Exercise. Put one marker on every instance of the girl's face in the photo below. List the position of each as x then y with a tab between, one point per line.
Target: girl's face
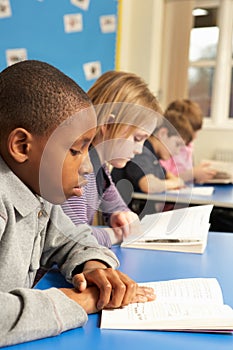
123	147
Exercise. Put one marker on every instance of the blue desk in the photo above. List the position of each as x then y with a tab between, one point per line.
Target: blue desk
145	265
222	197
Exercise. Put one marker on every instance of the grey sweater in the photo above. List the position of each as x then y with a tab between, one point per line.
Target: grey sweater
35	233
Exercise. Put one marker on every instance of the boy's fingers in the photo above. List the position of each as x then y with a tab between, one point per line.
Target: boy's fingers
105	289
79	282
123	292
115	288
144	294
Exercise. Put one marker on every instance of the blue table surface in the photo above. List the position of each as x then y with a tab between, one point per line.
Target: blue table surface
222	196
142	266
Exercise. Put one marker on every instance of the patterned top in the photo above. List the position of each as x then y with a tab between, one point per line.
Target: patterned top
100	194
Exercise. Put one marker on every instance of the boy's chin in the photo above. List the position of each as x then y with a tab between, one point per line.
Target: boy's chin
55	198
119	163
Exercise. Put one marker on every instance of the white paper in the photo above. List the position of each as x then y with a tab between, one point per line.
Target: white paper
108	24
5	8
73	23
92	70
82	4
179	304
15	55
196	191
190	223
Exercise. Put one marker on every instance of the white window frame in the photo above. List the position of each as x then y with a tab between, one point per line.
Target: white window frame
220	101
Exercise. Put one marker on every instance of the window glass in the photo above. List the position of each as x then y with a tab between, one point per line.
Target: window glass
200	87
203	43
203	59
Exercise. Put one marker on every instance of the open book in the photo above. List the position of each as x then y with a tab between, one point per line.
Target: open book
224	170
192	304
193	191
181	230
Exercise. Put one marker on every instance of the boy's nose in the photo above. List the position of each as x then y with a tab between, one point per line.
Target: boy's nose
138	148
86	166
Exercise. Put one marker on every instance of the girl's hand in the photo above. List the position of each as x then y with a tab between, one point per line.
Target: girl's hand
125	223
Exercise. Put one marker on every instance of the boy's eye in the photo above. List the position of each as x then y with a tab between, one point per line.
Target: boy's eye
75	152
139	139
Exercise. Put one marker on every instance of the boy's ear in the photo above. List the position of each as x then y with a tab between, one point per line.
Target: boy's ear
162	133
105	129
19	141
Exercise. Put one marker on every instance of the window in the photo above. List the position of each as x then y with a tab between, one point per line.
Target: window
202	56
210	78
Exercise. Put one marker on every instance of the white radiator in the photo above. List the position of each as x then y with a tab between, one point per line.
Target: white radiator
225	155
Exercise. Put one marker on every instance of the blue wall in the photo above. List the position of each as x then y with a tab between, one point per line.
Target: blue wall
35	29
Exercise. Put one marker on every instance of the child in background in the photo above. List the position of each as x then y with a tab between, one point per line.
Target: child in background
144	173
47	123
221	219
127	114
182	164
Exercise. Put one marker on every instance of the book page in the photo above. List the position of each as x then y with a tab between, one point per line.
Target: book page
180	304
224	168
156	315
224	171
196	191
185	223
201	290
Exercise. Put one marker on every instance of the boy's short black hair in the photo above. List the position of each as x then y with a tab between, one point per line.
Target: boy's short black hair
37	96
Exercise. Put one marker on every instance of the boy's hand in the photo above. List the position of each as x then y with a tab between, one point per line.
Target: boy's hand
115	288
87	299
203	172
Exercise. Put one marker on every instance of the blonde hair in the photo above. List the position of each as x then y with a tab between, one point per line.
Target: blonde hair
122	98
190	109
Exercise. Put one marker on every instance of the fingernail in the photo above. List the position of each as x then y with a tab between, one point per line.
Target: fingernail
100	305
142	299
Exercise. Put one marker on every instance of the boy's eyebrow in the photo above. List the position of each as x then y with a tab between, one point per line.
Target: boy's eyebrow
87	139
84	140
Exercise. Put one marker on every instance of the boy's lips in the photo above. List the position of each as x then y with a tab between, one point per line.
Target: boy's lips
78	190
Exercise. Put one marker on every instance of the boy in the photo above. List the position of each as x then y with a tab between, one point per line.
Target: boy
181	164
47	124
144	173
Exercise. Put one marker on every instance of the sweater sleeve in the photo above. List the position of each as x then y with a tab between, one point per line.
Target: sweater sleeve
33	314
102	236
69	246
28	314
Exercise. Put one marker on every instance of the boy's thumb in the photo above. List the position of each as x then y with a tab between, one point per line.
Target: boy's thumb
79	282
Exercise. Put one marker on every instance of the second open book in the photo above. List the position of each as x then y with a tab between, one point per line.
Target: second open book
192	304
224	174
182	230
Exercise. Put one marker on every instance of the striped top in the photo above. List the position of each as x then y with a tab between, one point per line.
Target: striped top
82	209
